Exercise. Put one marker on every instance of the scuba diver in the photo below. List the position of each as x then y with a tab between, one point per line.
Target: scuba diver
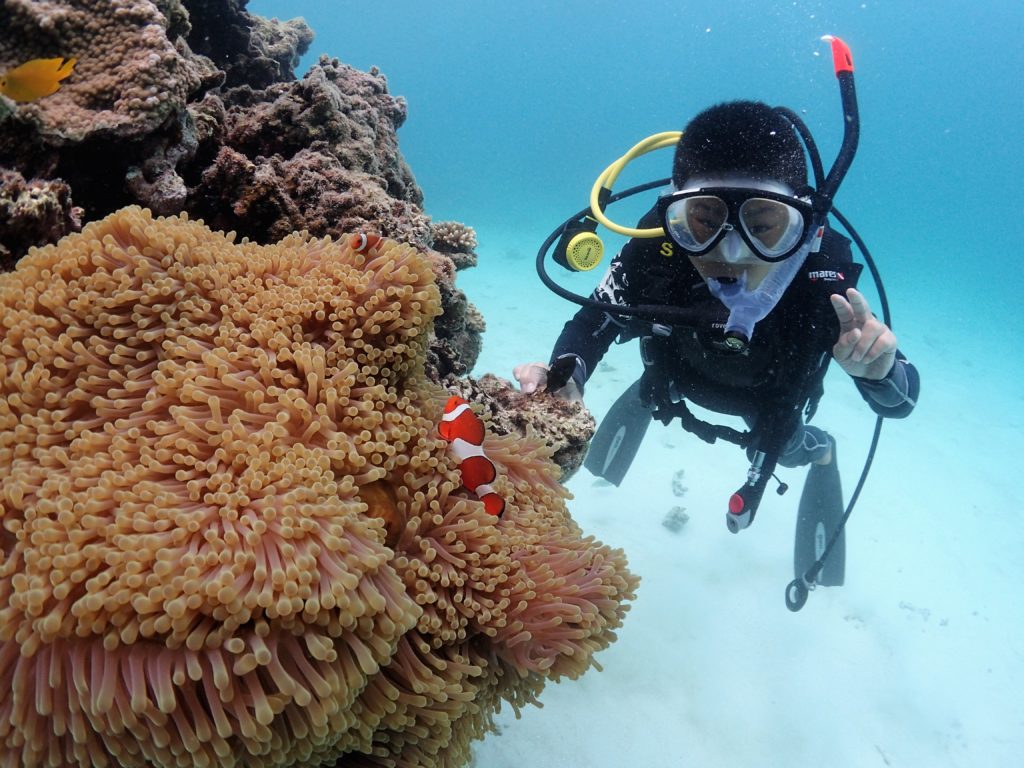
740	294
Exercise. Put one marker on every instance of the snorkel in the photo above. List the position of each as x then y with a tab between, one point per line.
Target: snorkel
744	503
580	248
746	308
842	61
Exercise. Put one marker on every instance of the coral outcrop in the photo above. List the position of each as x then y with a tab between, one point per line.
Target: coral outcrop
319	154
229	531
564	427
249	49
192	105
33	212
457	240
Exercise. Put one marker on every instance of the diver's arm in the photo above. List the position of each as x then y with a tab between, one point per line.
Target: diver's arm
591	331
587	336
866	349
582	343
584	339
895	395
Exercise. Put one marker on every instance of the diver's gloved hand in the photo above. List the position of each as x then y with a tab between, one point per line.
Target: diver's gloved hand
866	347
533	378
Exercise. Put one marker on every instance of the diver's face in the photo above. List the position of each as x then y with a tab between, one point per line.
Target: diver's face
732	257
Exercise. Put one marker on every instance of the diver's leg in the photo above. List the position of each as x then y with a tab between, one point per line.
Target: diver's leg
808	445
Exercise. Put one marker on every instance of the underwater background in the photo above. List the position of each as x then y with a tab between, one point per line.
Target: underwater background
514	109
172	554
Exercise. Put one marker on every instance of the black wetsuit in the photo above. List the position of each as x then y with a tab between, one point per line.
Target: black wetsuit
773	384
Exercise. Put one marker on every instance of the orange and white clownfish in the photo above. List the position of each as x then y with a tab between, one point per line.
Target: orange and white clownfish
464	431
363	243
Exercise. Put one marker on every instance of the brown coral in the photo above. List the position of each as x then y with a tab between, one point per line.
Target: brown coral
457	240
271	197
144	119
33	212
230	533
564	427
129	77
251	50
319	154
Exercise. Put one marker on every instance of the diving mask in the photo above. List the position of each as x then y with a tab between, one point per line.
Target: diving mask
772	224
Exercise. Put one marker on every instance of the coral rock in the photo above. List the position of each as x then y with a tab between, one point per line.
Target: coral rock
147	118
564	427
457	240
249	49
33	212
319	154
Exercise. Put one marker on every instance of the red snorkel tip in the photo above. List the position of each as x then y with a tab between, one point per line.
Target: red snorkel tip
842	59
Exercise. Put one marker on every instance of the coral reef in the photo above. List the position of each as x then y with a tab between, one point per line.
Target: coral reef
192	105
319	154
229	531
457	240
250	50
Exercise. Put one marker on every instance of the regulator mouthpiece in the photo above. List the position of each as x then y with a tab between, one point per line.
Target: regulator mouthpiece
747	308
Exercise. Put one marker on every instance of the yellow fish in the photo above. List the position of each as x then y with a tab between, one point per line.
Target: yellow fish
35	79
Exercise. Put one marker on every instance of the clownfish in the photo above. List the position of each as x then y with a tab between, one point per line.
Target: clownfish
464	430
35	79
364	243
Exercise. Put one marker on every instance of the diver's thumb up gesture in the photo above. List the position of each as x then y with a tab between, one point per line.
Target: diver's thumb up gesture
866	346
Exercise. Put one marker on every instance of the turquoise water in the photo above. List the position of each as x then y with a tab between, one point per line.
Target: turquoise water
514	108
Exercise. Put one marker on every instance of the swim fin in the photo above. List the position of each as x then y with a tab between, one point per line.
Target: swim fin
820	512
619	436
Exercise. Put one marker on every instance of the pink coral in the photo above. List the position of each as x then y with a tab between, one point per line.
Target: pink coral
457	240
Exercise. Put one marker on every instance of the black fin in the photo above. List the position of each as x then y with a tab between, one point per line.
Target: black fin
619	436
820	512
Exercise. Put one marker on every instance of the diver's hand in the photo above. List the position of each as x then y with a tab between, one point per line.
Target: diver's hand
866	347
533	378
